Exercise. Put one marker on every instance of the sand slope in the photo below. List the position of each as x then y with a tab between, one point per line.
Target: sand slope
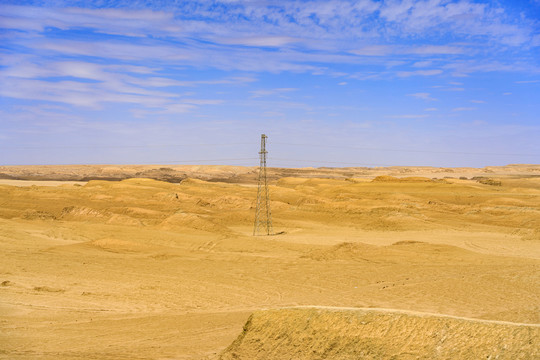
312	333
146	269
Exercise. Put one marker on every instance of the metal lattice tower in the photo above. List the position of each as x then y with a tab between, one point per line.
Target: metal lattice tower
263	217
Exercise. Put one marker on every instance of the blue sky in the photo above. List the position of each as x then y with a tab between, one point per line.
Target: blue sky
332	83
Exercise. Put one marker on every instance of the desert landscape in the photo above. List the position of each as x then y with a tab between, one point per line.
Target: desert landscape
159	262
391	211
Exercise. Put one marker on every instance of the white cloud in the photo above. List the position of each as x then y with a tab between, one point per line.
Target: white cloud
203	101
464	17
384	50
463	109
114	50
375	50
422	64
419	73
129	22
423	96
68	92
270	92
265	41
437	50
408	116
478	101
47	81
156	82
463	68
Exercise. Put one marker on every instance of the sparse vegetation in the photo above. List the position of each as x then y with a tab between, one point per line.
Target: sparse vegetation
487	181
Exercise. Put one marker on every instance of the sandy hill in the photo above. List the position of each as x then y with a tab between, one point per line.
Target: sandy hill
148	269
247	174
326	333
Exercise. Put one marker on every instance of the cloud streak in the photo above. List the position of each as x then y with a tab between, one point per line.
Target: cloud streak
423	96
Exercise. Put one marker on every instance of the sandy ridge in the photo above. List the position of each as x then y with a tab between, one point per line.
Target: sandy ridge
247	174
347	333
406	312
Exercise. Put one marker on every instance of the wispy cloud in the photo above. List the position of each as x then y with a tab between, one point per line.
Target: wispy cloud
384	50
423	96
463	68
423	64
408	116
115	21
91	85
374	50
463	17
118	50
167	33
463	109
419	73
269	92
263	41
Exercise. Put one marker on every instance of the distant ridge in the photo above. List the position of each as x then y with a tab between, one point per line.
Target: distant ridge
248	174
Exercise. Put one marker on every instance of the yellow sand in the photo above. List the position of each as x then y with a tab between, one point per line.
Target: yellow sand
147	269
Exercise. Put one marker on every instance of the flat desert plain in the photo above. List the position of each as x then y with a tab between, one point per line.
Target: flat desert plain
396	263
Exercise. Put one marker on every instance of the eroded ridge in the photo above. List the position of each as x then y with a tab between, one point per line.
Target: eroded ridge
347	333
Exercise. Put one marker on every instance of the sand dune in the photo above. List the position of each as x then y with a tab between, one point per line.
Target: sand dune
242	174
141	268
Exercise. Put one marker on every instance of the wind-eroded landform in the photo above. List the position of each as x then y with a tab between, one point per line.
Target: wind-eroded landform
382	263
